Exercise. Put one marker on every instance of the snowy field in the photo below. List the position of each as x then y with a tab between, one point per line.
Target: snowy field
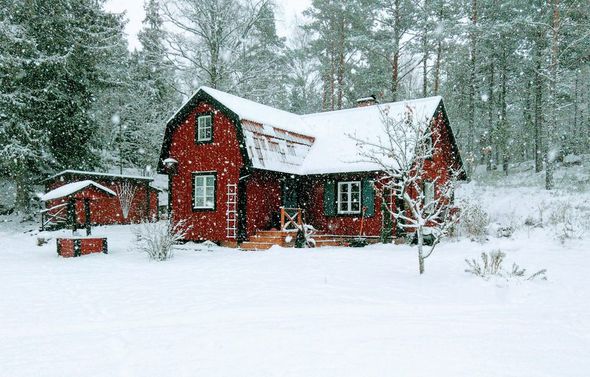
322	312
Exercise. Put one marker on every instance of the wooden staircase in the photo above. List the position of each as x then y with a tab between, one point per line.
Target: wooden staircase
265	239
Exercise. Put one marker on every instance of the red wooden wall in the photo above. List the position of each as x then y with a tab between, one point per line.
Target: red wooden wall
221	156
338	224
263	191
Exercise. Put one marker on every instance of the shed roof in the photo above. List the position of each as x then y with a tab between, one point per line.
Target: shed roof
94	174
73	188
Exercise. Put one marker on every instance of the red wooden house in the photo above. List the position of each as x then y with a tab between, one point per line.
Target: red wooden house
234	163
135	201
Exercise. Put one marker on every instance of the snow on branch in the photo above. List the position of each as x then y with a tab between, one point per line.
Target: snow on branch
406	156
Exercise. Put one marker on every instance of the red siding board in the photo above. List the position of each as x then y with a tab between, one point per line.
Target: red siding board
263	191
339	224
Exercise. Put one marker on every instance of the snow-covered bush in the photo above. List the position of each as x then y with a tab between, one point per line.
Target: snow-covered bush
473	220
568	222
157	239
491	266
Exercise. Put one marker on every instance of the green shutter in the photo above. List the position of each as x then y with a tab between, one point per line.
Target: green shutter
329	198
368	197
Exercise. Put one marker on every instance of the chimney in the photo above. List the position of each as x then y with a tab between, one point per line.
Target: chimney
367	101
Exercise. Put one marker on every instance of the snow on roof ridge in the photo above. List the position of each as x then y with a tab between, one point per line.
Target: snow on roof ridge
207	89
368	108
73	171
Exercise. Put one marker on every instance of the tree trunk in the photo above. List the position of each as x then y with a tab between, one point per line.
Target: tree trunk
490	115
332	74
538	105
396	47
425	52
528	114
420	237
554	68
340	69
504	112
437	64
472	78
575	125
437	67
22	200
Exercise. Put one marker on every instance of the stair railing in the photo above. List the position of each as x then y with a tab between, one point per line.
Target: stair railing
48	217
291	218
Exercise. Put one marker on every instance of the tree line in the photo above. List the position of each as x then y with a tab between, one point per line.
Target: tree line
514	75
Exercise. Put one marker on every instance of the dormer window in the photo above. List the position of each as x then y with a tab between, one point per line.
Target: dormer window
204	128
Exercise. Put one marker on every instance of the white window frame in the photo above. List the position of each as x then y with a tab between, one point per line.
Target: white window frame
208	191
345	207
203	127
429	196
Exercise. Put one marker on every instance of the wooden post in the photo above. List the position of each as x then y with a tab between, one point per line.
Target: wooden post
72	214
87	215
148	202
299	218
282	218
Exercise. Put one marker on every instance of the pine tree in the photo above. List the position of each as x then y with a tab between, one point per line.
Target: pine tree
65	47
338	28
151	95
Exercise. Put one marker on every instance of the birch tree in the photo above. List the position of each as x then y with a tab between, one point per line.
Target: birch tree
403	155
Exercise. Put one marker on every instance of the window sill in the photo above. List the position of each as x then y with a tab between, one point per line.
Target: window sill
203	209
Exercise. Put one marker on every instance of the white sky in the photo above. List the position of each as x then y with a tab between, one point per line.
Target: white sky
287	11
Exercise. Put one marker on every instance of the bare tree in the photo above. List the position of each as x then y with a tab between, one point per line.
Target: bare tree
125	193
403	155
211	36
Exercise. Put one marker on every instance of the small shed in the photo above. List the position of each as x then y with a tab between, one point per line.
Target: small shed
72	193
135	198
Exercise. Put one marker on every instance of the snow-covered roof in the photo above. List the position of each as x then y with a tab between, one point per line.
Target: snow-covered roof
72	188
257	112
335	150
319	143
97	174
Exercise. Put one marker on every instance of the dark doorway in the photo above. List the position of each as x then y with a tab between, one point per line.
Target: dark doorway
289	192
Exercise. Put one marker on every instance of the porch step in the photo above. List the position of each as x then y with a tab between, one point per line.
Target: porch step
265	239
254	245
328	242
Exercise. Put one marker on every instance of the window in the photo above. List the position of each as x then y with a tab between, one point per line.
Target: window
428	142
204	128
204	191
349	197
429	204
291	149
274	146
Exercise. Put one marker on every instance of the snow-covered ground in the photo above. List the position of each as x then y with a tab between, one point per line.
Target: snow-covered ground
314	312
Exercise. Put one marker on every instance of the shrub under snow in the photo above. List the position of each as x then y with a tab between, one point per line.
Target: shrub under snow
473	220
568	221
157	239
491	265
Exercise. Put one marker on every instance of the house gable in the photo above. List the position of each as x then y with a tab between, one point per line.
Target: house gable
182	117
